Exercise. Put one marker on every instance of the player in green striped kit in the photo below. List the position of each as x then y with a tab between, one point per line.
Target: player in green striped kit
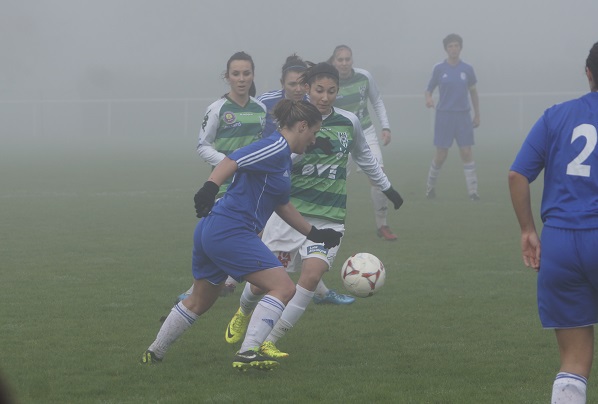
319	193
357	87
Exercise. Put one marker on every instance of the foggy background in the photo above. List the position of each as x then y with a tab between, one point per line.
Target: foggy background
150	68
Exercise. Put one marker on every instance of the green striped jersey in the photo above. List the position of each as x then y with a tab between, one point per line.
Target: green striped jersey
227	126
353	96
319	181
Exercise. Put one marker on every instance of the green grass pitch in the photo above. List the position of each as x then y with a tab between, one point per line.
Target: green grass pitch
95	244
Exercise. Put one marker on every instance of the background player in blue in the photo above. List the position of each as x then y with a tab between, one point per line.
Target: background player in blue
456	81
226	242
563	144
292	89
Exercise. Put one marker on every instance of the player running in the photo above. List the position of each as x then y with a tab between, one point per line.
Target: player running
319	193
227	242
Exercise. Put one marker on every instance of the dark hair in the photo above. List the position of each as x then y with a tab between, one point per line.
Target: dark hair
452	38
242	56
288	112
322	69
293	64
338	48
592	64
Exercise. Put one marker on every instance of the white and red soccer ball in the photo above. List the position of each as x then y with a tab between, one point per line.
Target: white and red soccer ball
363	274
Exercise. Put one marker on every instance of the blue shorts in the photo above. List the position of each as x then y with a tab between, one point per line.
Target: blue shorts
568	278
223	247
451	125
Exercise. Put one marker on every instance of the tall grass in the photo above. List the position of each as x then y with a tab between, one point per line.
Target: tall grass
95	243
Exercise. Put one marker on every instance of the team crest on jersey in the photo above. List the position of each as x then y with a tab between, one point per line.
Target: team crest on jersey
229	117
463	76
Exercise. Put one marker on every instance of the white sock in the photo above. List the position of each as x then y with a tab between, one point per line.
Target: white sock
265	315
321	289
569	388
179	319
433	174
291	314
471	178
380	202
248	300
189	291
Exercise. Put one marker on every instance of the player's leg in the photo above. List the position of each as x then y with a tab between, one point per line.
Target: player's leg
443	140
311	273
465	141
250	298
568	303
181	317
206	288
379	200
576	347
280	289
434	171
316	260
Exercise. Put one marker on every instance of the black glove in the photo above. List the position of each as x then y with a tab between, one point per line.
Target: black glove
322	143
330	237
394	197
205	198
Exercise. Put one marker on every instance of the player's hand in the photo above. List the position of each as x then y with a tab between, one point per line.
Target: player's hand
330	237
530	249
321	143
476	121
394	197
430	102
386	136
205	198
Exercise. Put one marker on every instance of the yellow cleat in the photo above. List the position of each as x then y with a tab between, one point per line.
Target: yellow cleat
252	359
268	348
237	327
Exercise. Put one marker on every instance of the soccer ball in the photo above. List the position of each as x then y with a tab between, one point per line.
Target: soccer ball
363	274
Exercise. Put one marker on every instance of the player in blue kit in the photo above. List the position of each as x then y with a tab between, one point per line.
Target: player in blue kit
227	242
292	89
456	82
563	144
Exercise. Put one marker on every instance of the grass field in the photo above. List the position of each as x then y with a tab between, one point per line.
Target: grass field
95	243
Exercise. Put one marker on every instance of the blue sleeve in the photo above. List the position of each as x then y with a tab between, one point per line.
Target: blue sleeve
433	80
531	159
472	78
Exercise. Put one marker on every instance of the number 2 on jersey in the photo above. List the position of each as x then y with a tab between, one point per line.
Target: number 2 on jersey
576	166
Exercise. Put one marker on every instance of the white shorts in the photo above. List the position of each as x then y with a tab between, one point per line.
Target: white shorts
371	138
292	247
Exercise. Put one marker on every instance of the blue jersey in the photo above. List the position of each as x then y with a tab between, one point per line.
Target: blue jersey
563	143
453	84
262	182
270	99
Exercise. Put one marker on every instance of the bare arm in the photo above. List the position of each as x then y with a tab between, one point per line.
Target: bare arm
520	197
475	102
289	214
